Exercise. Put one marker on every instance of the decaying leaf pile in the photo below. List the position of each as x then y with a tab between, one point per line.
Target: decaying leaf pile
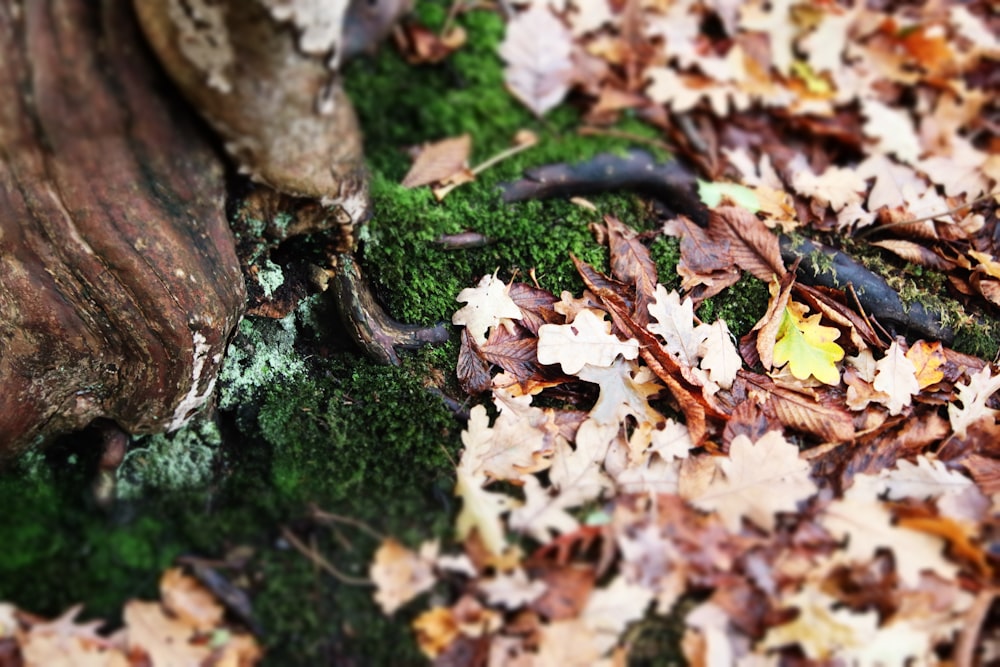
816	491
836	502
186	627
837	117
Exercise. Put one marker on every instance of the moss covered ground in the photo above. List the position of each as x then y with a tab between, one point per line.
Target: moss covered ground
303	420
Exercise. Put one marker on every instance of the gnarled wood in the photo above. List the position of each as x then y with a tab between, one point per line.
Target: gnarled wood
119	283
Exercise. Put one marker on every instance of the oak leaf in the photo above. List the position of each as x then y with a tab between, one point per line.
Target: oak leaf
824	630
537	49
401	574
867	525
544	514
927	359
756	481
481	510
675	324
512	589
624	390
807	346
821	629
896	377
166	640
956	496
487	305
587	340
719	355
973	396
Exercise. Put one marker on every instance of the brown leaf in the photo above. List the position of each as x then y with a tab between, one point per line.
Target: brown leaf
567	590
766	329
706	266
189	600
421	46
879	450
988	287
167	641
826	419
472	370
515	354
754	247
916	253
632	264
536	304
751	419
439	161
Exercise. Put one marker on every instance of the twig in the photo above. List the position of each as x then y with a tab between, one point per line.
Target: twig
933	216
321	562
965	647
328	517
502	155
864	315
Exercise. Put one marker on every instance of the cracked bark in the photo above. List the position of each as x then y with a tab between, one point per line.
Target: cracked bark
119	283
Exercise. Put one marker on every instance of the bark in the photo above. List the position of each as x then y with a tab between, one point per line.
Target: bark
119	283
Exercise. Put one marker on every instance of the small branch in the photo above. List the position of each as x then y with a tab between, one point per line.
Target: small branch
321	562
965	647
323	516
933	216
503	155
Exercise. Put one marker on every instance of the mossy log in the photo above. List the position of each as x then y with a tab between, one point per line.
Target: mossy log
119	283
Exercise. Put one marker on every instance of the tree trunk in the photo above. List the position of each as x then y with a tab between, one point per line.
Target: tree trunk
119	283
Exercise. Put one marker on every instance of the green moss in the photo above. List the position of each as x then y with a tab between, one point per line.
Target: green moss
303	422
741	306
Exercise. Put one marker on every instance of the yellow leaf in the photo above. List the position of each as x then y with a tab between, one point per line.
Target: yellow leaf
927	359
807	346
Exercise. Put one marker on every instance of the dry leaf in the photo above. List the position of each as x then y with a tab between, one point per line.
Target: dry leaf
440	162
537	50
488	305
756	481
587	340
401	574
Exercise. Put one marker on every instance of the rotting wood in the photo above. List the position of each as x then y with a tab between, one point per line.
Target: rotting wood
119	283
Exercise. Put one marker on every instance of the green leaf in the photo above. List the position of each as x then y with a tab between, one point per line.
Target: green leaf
807	346
712	194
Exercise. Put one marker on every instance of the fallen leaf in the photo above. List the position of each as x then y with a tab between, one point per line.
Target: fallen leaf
439	162
927	359
401	574
166	640
537	50
807	346
511	590
488	305
189	600
867	525
756	481
973	397
896	377
587	340
481	510
719	355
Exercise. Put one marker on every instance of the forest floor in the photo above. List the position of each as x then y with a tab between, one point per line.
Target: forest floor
314	456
